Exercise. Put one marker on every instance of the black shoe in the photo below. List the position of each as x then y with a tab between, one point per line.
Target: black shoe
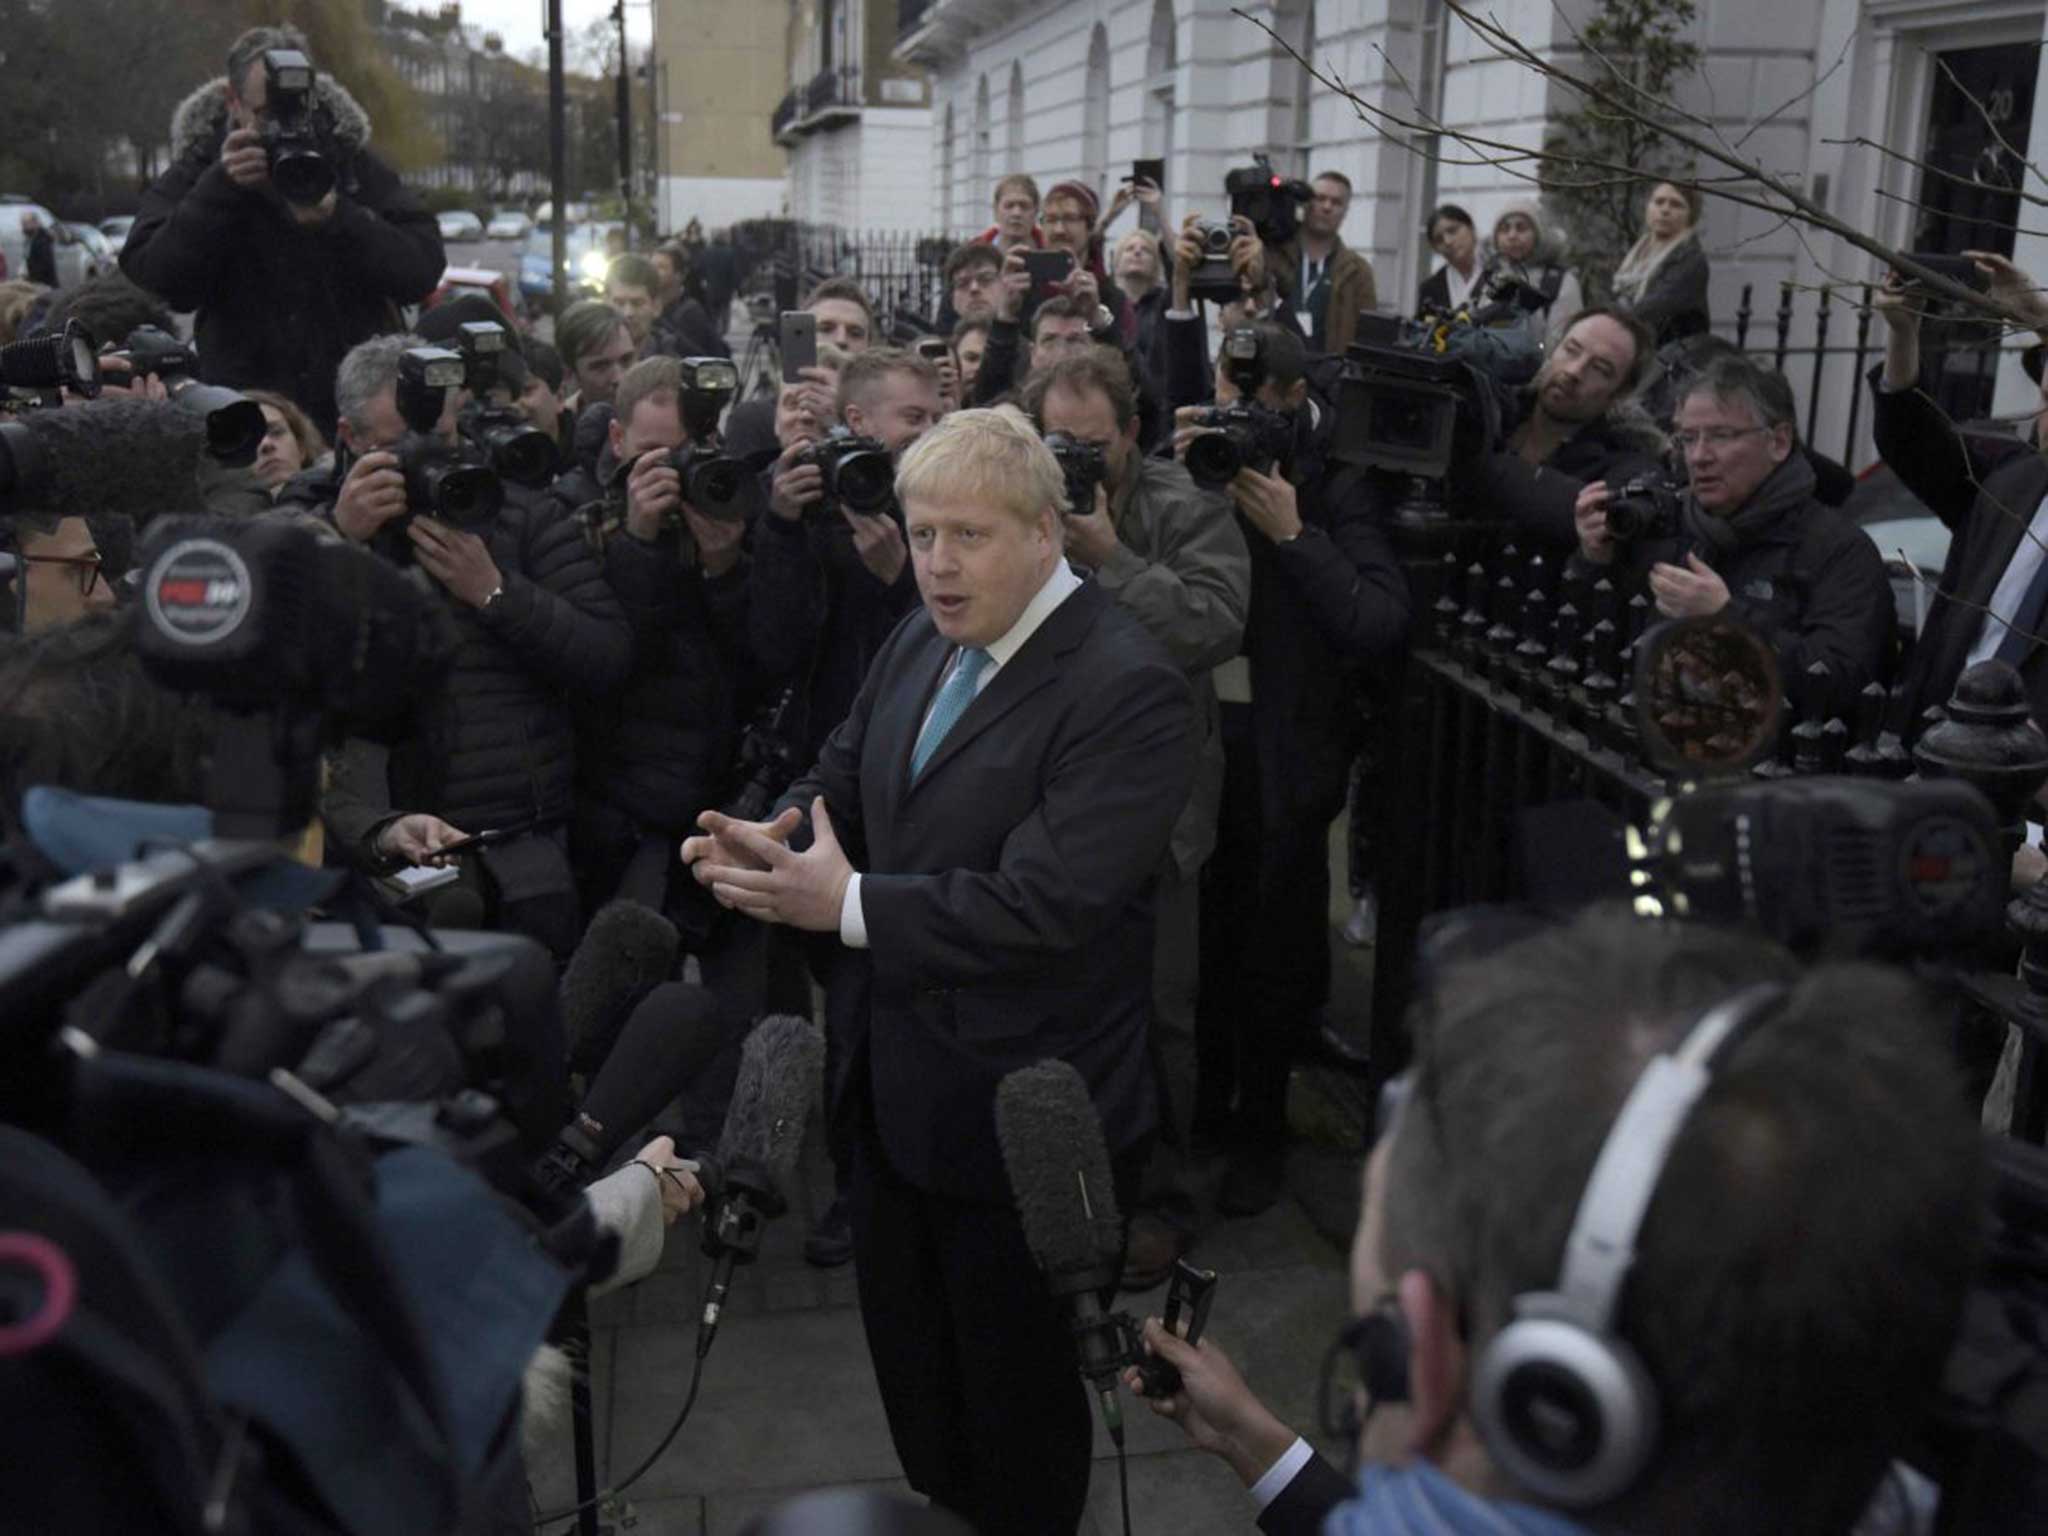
1252	1183
830	1243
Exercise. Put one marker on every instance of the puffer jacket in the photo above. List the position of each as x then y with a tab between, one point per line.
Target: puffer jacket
279	303
1540	499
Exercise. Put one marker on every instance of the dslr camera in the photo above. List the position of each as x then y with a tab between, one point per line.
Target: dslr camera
712	480
300	144
1241	436
514	448
1084	467
1643	508
234	423
1213	278
446	481
860	476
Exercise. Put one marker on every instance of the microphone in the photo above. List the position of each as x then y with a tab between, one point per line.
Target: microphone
667	1040
626	950
1058	1163
782	1066
131	459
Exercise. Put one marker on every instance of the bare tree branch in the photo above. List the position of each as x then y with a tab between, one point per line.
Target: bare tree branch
1989	122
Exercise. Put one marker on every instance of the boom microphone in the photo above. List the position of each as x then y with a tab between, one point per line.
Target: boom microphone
667	1040
133	459
1051	1138
782	1066
626	950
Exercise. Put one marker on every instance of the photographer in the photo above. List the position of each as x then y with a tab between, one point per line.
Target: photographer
283	288
1747	538
1781	1382
1171	555
1326	283
1989	601
846	320
537	628
1060	327
1183	346
1577	426
1327	600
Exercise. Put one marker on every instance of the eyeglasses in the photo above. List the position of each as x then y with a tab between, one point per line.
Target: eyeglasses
1063	220
86	568
1712	437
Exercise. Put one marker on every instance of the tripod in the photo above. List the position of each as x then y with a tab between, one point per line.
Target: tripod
761	368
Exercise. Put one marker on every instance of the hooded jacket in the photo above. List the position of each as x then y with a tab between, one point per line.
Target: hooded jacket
1801	574
1543	271
280	303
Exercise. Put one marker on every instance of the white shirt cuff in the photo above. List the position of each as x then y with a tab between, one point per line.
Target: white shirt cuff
1180	314
853	923
1281	1473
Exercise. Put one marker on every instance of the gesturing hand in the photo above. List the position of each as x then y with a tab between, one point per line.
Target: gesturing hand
721	847
774	883
1689	591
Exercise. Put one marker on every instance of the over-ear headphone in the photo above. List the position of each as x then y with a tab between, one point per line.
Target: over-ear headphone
1563	1402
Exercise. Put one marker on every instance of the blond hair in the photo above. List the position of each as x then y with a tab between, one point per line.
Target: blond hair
994	456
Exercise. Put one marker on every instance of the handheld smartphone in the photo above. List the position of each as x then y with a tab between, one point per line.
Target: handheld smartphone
799	340
934	349
486	839
1046	268
1957	269
1153	171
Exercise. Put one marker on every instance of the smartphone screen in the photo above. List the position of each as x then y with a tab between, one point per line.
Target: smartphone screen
1046	268
799	344
1153	171
933	348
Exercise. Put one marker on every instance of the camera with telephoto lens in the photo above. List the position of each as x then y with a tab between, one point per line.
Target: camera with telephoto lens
443	480
1644	507
1271	201
1213	277
515	448
234	423
299	145
859	474
1241	436
1084	467
712	479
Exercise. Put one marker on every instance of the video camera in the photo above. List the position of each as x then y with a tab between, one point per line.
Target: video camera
515	449
712	479
1271	201
300	143
234	423
1084	467
859	474
446	481
1241	436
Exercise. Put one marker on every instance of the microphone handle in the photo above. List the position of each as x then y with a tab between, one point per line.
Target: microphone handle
714	1300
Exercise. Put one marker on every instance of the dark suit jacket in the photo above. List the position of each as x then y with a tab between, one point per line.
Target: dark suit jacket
1986	491
1300	1508
1007	892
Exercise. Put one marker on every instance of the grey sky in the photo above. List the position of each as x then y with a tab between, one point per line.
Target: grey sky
520	21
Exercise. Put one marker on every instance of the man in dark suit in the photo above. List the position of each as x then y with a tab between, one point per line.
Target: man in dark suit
983	834
1992	599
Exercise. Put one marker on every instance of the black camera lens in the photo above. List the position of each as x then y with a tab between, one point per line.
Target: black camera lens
1214	458
234	423
462	494
713	483
519	453
1216	239
864	482
301	176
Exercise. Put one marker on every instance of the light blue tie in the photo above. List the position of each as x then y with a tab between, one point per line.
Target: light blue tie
948	707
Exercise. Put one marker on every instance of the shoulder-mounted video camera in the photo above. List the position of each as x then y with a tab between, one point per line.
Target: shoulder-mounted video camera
859	474
1271	201
300	143
1414	398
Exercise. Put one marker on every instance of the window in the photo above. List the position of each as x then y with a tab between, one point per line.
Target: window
1095	110
946	195
983	131
1013	144
1162	59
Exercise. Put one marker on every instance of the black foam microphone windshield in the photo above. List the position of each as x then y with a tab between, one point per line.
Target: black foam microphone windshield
669	1038
627	949
1058	1163
135	459
782	1066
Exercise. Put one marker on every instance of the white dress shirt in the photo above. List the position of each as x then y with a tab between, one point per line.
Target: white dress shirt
2012	587
1059	586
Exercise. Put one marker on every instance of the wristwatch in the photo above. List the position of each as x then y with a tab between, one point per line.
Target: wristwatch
496	592
1104	318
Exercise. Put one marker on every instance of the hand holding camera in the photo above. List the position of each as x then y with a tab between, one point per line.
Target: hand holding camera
1268	502
798	483
654	493
371	496
1014	287
1247	256
1589	516
456	558
246	159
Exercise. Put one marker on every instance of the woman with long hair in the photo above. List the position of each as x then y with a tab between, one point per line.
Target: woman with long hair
1662	280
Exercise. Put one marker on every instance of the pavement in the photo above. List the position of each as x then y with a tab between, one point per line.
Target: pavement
788	1400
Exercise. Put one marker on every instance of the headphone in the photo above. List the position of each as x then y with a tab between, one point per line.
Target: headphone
1562	1402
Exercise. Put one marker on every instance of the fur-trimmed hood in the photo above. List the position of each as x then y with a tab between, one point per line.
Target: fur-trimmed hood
1630	426
200	121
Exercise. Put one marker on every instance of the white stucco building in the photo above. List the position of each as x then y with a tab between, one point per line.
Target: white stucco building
857	121
1062	88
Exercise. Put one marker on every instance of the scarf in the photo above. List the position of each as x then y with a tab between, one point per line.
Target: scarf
1789	486
1418	1500
1639	266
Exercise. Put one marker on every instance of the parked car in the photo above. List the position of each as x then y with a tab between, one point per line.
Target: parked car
461	224
116	230
105	254
75	260
457	281
508	225
586	256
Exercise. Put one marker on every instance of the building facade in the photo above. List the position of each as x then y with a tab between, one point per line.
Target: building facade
717	70
856	119
1066	88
